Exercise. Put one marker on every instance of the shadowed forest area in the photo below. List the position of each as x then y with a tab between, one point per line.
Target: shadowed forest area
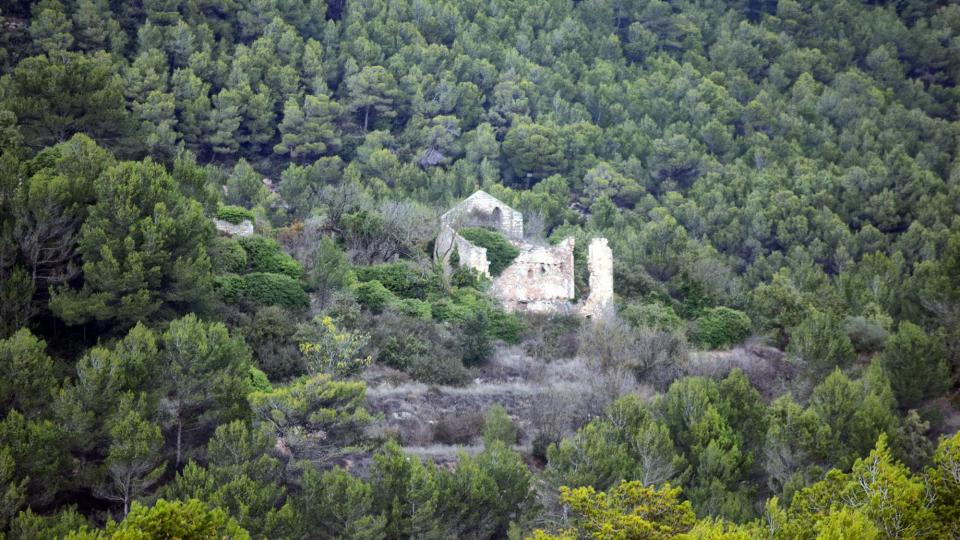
220	316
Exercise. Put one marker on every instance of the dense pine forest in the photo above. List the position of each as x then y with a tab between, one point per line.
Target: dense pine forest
779	182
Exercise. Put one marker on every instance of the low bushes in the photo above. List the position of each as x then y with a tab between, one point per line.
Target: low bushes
400	278
234	214
721	327
263	289
265	255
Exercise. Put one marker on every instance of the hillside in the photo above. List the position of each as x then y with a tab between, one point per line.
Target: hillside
221	315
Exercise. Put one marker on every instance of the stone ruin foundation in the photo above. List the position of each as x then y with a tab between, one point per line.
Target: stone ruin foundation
541	278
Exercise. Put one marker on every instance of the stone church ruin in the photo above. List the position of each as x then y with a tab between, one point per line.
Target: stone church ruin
540	279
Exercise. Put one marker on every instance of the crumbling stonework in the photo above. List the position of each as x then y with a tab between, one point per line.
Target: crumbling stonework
484	210
541	278
600	266
244	228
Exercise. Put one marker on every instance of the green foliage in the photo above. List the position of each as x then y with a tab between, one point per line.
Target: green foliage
234	214
55	96
264	255
474	340
314	404
655	315
400	279
143	247
865	335
331	270
500	252
169	519
721	327
497	427
333	351
227	256
268	290
916	365
336	505
26	374
374	296
629	510
820	344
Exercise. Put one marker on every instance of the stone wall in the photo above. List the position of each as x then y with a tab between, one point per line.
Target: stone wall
539	280
600	264
471	256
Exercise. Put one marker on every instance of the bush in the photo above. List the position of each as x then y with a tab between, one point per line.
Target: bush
441	369
270	335
721	327
274	290
866	335
227	256
549	338
499	427
234	214
656	316
500	252
916	365
458	428
412	307
820	343
399	278
374	296
265	255
229	288
474	339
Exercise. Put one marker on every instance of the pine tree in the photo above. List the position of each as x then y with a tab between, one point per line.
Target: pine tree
309	132
223	126
143	248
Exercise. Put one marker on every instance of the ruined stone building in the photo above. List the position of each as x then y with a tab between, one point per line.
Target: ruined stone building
541	278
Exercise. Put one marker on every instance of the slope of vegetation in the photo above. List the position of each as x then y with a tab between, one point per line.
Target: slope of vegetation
781	172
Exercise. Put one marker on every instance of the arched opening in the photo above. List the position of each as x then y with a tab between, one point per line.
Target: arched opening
497	217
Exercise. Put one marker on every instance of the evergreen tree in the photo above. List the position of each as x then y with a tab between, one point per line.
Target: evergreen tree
143	248
309	132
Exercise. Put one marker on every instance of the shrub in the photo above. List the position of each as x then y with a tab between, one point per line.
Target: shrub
458	428
412	307
399	351
916	364
274	290
656	316
820	342
399	278
374	296
227	256
234	214
270	335
499	427
866	335
265	255
721	327
474	339
500	252
441	369
550	338
229	288
259	381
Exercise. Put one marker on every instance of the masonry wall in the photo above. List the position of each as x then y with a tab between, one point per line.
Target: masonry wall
600	265
540	280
